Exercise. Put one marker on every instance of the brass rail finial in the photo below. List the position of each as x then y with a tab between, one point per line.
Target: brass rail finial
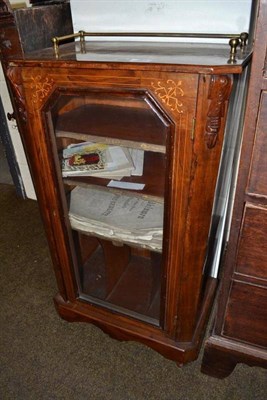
234	43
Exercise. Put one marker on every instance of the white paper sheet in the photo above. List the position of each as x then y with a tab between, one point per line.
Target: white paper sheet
126	185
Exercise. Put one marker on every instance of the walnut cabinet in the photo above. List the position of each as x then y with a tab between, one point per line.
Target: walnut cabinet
168	101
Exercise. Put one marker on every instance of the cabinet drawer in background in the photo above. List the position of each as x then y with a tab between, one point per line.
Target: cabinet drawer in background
258	175
246	314
252	251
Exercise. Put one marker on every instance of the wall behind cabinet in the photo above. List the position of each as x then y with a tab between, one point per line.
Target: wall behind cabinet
219	16
16	141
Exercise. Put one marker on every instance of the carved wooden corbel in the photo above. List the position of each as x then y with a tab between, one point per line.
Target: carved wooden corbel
219	93
14	78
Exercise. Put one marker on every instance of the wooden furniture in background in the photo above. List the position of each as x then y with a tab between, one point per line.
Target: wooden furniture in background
28	29
240	331
21	33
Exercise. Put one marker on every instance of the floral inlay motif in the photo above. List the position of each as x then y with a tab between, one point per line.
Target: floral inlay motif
169	93
41	88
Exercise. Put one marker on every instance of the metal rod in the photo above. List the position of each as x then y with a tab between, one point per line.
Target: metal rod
82	34
66	37
166	34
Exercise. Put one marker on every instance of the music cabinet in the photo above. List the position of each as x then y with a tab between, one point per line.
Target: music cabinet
165	101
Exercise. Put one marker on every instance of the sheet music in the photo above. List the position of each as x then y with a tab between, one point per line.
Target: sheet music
116	216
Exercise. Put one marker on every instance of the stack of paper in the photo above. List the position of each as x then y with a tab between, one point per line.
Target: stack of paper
101	160
129	219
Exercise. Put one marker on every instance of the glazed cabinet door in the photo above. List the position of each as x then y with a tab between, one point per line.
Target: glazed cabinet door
112	153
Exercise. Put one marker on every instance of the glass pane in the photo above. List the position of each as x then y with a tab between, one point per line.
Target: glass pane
112	155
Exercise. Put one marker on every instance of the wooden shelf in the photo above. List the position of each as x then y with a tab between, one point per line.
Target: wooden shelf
76	137
120	242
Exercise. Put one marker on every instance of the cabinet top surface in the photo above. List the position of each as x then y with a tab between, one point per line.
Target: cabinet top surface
188	55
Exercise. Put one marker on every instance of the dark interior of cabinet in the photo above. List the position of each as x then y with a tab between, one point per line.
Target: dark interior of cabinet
133	117
120	275
125	122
